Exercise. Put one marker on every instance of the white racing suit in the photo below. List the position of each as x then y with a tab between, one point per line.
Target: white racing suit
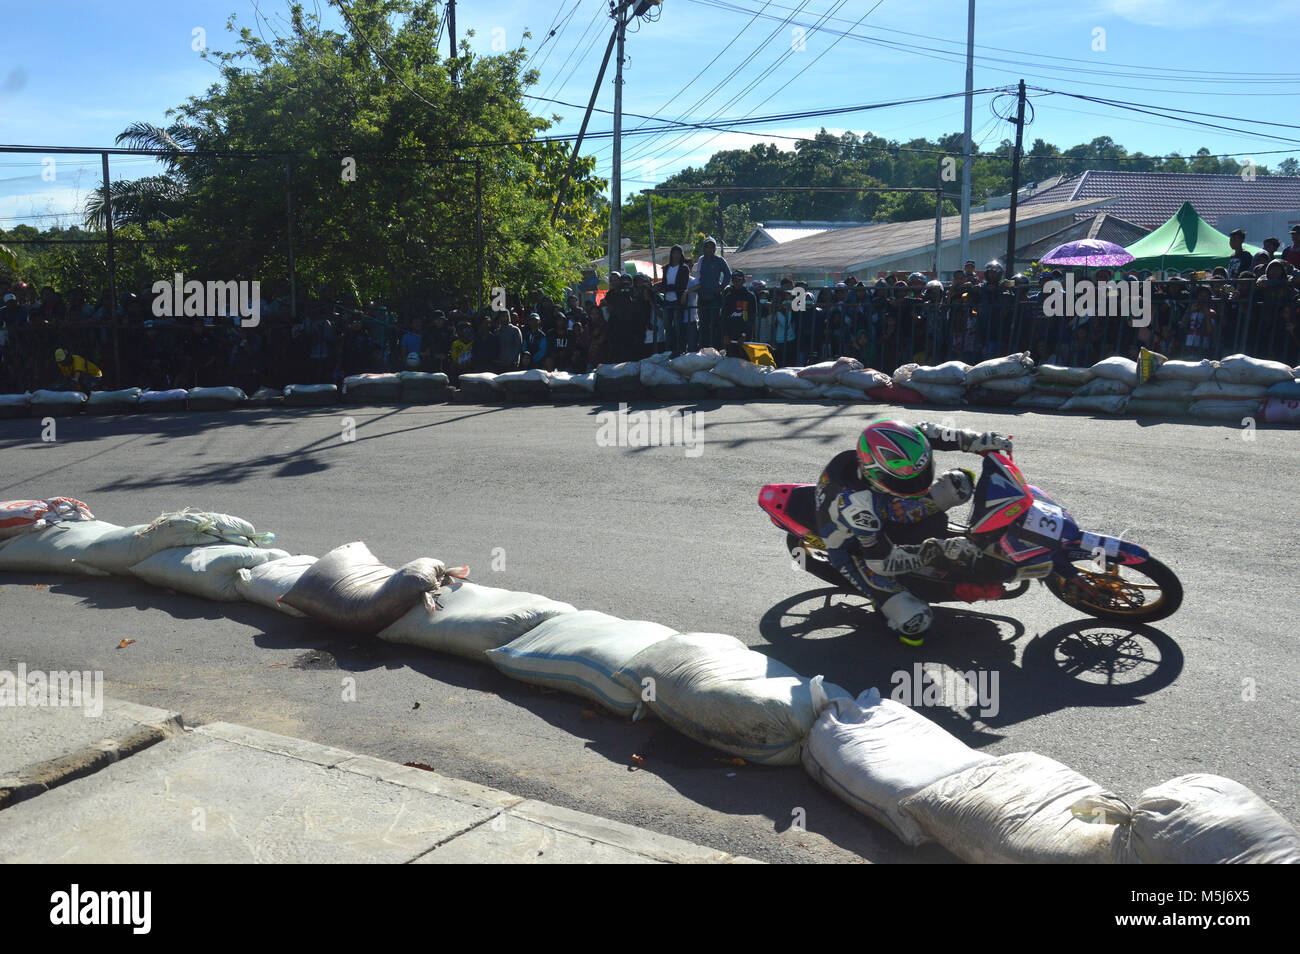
856	521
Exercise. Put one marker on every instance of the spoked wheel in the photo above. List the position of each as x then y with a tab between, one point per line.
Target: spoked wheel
1142	593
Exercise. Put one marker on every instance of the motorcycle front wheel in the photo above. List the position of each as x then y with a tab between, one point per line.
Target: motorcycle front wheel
1140	593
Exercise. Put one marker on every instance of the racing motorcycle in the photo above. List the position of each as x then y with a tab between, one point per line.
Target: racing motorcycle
1023	535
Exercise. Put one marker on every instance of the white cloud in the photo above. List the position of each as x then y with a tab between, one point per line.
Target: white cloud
1174	15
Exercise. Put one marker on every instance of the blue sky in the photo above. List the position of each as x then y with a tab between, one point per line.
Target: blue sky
81	71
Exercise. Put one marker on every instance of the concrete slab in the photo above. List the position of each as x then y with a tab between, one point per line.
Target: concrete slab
510	840
202	799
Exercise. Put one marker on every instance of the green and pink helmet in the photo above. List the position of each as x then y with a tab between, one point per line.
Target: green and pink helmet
895	458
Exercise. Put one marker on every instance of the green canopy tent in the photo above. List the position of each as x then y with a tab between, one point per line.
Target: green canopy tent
1185	242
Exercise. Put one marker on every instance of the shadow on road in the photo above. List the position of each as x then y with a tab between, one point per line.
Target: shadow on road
1084	663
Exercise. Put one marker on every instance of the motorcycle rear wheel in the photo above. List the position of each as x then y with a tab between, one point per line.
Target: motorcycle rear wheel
1114	596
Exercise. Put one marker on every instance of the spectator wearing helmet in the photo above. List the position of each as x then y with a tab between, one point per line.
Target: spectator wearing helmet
78	373
882	514
994	312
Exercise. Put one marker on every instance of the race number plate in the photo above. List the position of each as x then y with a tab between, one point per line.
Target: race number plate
1044	520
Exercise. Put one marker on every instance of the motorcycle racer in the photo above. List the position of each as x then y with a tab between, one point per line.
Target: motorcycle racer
885	491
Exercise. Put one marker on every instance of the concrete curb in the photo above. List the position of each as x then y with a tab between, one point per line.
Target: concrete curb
515	824
153	726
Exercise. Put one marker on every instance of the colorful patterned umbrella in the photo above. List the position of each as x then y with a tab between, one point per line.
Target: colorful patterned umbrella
1093	253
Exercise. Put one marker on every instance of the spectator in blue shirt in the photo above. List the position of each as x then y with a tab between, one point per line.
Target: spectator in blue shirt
715	279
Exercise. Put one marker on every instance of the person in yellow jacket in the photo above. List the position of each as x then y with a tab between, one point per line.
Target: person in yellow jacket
77	369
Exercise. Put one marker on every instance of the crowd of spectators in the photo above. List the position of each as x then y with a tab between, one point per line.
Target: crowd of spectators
1248	304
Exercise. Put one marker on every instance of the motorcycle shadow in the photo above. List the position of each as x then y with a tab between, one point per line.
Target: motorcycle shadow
970	676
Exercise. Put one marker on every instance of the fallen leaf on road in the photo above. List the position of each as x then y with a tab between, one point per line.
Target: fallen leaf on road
419	765
731	761
589	714
125	643
40	586
274	665
638	759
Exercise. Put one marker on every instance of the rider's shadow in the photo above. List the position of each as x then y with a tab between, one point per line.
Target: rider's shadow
966	677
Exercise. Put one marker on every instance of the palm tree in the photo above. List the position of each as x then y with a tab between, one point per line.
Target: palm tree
151	198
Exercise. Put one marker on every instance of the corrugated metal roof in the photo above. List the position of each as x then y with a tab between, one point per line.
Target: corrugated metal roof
1148	199
838	250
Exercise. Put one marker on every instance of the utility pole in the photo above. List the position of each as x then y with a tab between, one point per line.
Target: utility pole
451	35
967	145
622	13
938	219
1015	180
616	180
650	210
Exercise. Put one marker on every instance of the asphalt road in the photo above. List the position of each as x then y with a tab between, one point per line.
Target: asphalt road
657	533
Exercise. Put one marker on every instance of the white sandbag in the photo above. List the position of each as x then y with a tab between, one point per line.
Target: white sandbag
430	378
26	516
950	372
660	359
787	379
840	392
1098	404
1012	366
825	372
172	397
119	550
512	379
59	548
1229	410
624	376
1165	390
864	380
744	373
206	571
1100	387
16	400
348	588
1241	369
1287	390
564	381
873	753
579	652
720	692
801	394
124	396
1037	401
481	382
228	395
1056	374
45	398
1021	385
1117	368
711	380
654	374
1194	371
301	389
466	619
690	363
1196	819
266	395
1013	810
1219	388
943	394
266	583
1282	410
1156	407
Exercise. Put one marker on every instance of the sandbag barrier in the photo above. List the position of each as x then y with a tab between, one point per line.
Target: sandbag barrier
885	760
1234	391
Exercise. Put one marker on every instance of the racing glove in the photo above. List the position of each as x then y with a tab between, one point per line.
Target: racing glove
900	559
973	443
